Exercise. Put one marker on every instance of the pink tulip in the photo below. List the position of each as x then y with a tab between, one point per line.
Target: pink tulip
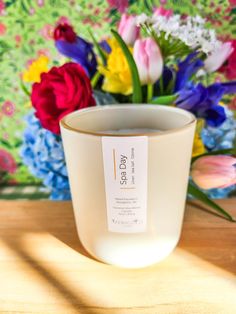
128	29
149	61
163	12
217	171
215	60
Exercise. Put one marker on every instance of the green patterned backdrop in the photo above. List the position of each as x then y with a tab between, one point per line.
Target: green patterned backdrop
26	33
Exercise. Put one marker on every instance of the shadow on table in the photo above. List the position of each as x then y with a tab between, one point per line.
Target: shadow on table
60	222
210	236
74	300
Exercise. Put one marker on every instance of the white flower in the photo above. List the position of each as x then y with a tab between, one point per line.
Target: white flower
191	31
143	19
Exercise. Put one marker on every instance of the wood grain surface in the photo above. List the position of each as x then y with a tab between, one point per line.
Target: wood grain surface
44	268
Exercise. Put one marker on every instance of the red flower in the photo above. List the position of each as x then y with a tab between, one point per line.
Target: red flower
64	32
229	67
61	90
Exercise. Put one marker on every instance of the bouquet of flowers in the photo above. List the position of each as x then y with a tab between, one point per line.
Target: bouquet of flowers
163	59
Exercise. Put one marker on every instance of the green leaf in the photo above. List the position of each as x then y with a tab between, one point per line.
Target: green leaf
101	53
228	151
24	88
95	79
164	100
137	90
195	192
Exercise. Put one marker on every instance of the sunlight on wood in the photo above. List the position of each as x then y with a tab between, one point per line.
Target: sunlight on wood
44	268
131	287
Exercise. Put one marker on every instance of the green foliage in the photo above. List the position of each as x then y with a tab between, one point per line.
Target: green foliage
173	47
101	53
164	100
137	90
198	194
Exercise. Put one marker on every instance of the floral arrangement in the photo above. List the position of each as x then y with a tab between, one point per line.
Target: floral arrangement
163	59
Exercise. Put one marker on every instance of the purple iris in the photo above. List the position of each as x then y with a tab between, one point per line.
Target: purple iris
203	102
75	47
105	46
186	69
175	79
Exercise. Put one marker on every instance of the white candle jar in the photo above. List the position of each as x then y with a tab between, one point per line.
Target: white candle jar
128	190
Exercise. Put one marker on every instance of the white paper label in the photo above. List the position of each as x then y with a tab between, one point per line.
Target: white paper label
125	170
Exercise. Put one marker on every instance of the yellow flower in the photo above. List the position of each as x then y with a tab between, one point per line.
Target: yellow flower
117	76
38	66
198	146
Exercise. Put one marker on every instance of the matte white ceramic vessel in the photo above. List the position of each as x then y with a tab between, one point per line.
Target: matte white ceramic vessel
169	155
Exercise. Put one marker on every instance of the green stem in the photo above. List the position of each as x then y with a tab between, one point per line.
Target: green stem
161	85
24	88
207	79
95	79
149	92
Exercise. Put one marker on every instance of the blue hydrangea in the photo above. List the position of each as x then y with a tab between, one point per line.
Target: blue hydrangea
220	138
42	153
220	193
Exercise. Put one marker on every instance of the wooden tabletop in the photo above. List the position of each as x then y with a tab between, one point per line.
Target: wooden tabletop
44	268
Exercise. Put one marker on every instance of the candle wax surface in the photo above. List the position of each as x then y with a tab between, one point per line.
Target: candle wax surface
130	131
